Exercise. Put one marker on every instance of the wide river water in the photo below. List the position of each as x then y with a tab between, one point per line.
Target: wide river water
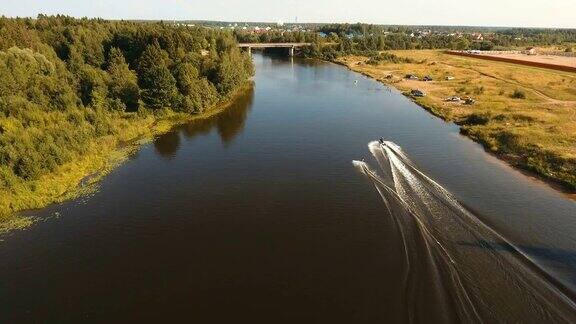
258	215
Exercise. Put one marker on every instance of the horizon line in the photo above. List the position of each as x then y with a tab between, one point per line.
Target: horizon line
293	23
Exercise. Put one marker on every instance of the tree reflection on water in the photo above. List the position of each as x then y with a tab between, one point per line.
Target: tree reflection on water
229	123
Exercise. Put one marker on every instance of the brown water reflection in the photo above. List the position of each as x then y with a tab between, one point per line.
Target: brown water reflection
229	123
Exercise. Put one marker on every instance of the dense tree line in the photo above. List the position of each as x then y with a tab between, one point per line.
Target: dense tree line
378	37
66	82
276	36
367	39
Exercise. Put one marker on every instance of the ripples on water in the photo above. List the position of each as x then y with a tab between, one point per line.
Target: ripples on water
465	269
242	218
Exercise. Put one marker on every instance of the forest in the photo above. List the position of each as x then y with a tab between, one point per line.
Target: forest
69	83
367	39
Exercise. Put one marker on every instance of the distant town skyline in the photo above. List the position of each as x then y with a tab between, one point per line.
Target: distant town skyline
500	13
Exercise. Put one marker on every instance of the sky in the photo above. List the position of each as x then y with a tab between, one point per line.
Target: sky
518	13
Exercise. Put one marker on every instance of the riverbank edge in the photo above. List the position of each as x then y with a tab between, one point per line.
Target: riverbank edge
78	178
556	183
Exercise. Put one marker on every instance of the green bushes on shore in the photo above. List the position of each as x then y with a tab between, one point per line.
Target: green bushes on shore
70	83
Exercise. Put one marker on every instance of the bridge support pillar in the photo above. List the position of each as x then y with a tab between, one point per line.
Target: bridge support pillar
291	51
249	49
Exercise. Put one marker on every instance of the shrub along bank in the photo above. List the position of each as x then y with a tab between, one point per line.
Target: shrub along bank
73	89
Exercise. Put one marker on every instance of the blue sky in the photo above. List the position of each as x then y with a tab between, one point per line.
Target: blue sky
525	13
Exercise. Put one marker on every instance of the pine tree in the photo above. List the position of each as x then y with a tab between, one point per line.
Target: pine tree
157	83
123	81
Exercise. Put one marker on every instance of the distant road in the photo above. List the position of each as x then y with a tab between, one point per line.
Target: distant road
566	64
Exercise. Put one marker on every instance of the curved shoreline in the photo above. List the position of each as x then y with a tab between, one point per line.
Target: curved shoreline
77	178
555	183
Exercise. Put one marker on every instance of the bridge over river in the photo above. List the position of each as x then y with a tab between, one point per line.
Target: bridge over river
290	46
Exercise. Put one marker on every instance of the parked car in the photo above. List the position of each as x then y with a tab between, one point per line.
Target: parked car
449	78
411	77
453	99
418	93
428	78
469	101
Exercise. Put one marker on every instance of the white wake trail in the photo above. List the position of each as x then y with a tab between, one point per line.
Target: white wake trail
470	271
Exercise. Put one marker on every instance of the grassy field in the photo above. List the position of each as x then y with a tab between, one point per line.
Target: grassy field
534	129
546	59
76	178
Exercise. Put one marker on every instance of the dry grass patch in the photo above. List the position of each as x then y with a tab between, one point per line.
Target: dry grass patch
524	114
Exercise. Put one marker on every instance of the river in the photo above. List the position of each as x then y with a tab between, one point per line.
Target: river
258	215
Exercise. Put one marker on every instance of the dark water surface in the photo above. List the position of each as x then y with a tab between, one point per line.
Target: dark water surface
258	216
